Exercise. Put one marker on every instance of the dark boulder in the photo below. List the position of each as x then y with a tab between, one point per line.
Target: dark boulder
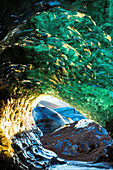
83	141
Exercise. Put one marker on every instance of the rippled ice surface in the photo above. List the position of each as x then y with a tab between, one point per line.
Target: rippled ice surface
79	165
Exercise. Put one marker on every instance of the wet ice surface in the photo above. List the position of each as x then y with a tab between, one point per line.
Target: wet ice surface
79	165
29	150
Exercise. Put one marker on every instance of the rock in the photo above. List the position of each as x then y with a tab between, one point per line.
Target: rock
47	119
83	141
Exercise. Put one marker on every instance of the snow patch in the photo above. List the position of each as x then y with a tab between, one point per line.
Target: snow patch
83	123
